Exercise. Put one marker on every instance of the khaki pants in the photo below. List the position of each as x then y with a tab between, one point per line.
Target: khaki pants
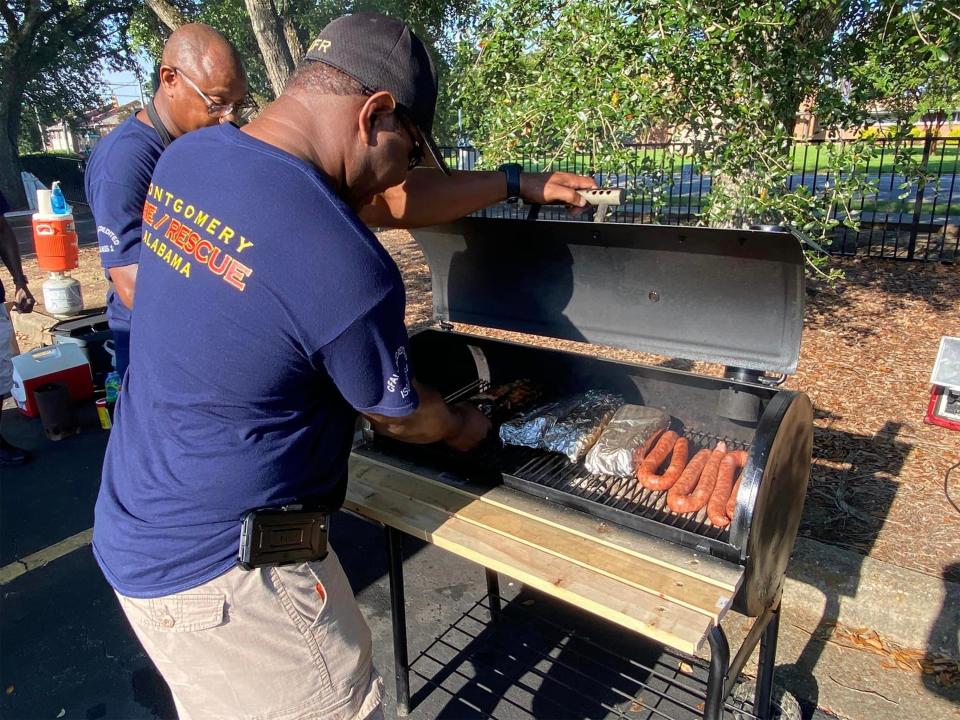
280	643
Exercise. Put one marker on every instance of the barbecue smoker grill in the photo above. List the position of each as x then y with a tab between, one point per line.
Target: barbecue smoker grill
726	296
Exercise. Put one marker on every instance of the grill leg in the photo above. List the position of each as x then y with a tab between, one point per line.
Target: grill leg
719	665
493	593
762	701
401	663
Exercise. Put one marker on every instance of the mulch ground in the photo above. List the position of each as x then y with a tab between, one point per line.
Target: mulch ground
880	475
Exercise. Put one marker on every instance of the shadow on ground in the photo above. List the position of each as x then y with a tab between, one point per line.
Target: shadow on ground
848	500
833	306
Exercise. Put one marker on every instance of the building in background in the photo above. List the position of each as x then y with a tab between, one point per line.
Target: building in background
80	137
944	123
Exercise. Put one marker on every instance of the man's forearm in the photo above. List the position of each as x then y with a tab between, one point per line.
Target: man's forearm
432	421
124	279
428	198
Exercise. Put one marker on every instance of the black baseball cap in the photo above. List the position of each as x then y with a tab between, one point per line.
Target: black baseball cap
381	53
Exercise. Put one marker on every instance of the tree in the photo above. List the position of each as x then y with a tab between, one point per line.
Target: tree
50	57
570	77
271	35
167	13
274	45
908	71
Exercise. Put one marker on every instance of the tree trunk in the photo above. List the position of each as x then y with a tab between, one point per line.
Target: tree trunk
287	9
10	183
293	42
167	13
269	31
11	105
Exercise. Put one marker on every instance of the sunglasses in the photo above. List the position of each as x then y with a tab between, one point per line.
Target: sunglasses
416	149
215	109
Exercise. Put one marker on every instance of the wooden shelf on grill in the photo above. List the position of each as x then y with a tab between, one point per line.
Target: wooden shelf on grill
663	591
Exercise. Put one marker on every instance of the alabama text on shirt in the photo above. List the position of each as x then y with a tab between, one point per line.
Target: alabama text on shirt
186	237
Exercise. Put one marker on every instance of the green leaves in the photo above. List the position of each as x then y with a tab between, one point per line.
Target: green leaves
585	78
437	22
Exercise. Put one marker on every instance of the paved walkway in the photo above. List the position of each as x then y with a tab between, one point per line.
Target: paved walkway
68	652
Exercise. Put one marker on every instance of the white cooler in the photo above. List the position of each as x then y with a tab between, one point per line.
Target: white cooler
64	364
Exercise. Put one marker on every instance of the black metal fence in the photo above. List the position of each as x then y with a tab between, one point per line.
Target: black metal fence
913	217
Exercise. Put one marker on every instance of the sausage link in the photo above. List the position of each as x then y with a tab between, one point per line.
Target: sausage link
708	479
678	461
655	458
681	451
732	500
687	481
731	504
717	506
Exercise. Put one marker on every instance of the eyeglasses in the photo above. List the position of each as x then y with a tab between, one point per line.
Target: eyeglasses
214	109
416	149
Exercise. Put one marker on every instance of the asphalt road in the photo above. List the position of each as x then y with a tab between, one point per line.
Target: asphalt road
67	651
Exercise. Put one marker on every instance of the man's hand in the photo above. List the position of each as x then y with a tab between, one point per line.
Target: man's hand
474	426
558	187
461	426
24	299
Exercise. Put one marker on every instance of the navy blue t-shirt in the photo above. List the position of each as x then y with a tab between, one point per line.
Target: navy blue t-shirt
116	180
267	313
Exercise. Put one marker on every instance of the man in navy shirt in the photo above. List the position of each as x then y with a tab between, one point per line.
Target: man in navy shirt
201	83
268	316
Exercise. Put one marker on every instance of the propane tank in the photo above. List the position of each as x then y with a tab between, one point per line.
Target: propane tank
61	295
55	240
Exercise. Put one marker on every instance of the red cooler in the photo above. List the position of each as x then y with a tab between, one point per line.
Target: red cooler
64	364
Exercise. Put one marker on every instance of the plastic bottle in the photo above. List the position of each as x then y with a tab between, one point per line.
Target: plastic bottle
58	203
112	385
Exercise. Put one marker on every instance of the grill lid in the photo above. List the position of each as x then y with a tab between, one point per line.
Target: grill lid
727	296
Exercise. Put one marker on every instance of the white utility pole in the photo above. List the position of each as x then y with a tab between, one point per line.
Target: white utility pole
43	135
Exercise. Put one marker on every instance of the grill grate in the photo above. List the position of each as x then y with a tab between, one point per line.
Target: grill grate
477	386
554	471
554	477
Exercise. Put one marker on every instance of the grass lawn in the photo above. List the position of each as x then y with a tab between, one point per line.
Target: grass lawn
807	157
944	160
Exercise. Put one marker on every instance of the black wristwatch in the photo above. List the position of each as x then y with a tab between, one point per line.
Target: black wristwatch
512	171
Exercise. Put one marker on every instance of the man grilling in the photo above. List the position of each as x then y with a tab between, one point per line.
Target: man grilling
268	316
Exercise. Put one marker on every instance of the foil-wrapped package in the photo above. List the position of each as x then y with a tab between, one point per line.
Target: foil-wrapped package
575	432
627	438
528	429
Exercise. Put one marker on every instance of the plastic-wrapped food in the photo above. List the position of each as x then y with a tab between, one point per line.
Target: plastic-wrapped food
576	431
528	429
626	439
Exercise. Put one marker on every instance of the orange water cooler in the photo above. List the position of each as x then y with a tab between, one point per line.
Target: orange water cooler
55	240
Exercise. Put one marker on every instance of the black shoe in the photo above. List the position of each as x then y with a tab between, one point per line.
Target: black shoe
11	454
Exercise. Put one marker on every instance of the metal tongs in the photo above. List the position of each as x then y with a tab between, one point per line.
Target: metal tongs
601	198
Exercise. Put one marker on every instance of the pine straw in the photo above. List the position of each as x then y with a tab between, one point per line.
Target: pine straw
877	484
944	668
